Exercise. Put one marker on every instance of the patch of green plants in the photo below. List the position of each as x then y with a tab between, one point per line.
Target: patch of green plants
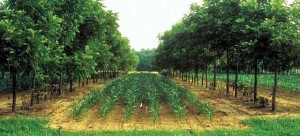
140	90
27	126
86	102
287	82
263	127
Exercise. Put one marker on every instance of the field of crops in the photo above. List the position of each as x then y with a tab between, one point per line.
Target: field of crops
287	82
136	90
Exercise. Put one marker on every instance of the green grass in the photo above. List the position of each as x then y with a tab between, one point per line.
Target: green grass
26	126
264	127
287	82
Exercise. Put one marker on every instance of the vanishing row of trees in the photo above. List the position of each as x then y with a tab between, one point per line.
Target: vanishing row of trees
145	60
47	42
240	34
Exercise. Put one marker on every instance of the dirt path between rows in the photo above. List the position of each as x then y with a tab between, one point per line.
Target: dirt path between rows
228	112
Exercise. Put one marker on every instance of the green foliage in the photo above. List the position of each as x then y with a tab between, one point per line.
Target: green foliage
86	102
263	127
26	126
203	107
145	60
287	82
71	38
236	34
174	99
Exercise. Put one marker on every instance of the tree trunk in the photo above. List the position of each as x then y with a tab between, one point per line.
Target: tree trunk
227	71
79	82
82	83
274	90
206	72
236	80
197	76
255	81
94	78
14	87
181	76
192	76
189	76
60	85
33	80
70	81
215	76
71	84
202	78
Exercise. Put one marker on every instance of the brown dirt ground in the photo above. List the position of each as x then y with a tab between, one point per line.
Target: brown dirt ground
228	112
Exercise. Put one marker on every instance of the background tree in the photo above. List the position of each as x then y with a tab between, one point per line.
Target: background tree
145	60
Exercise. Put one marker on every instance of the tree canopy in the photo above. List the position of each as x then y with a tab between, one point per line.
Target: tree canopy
234	35
55	41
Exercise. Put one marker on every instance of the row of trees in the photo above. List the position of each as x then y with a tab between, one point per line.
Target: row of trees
59	40
145	60
237	34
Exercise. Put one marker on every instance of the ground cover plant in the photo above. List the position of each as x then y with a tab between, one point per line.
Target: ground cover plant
137	90
287	82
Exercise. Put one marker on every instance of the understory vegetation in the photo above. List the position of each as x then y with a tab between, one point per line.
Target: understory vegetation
287	82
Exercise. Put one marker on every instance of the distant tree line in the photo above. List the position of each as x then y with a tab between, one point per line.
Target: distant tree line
145	60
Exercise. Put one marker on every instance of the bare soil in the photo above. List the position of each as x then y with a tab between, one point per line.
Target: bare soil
228	112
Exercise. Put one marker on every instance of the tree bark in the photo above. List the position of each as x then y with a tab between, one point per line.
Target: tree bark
60	85
206	72
255	81
215	76
70	80
236	80
202	78
189	76
227	71
186	76
71	84
33	81
14	87
193	76
274	90
197	76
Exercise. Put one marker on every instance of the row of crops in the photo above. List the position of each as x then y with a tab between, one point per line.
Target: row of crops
288	82
136	89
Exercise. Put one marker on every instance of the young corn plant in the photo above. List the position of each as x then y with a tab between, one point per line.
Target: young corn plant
201	107
131	101
174	100
140	88
85	103
153	98
110	102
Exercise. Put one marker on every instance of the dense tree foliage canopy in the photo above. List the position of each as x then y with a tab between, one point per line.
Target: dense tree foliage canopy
145	60
234	35
47	42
